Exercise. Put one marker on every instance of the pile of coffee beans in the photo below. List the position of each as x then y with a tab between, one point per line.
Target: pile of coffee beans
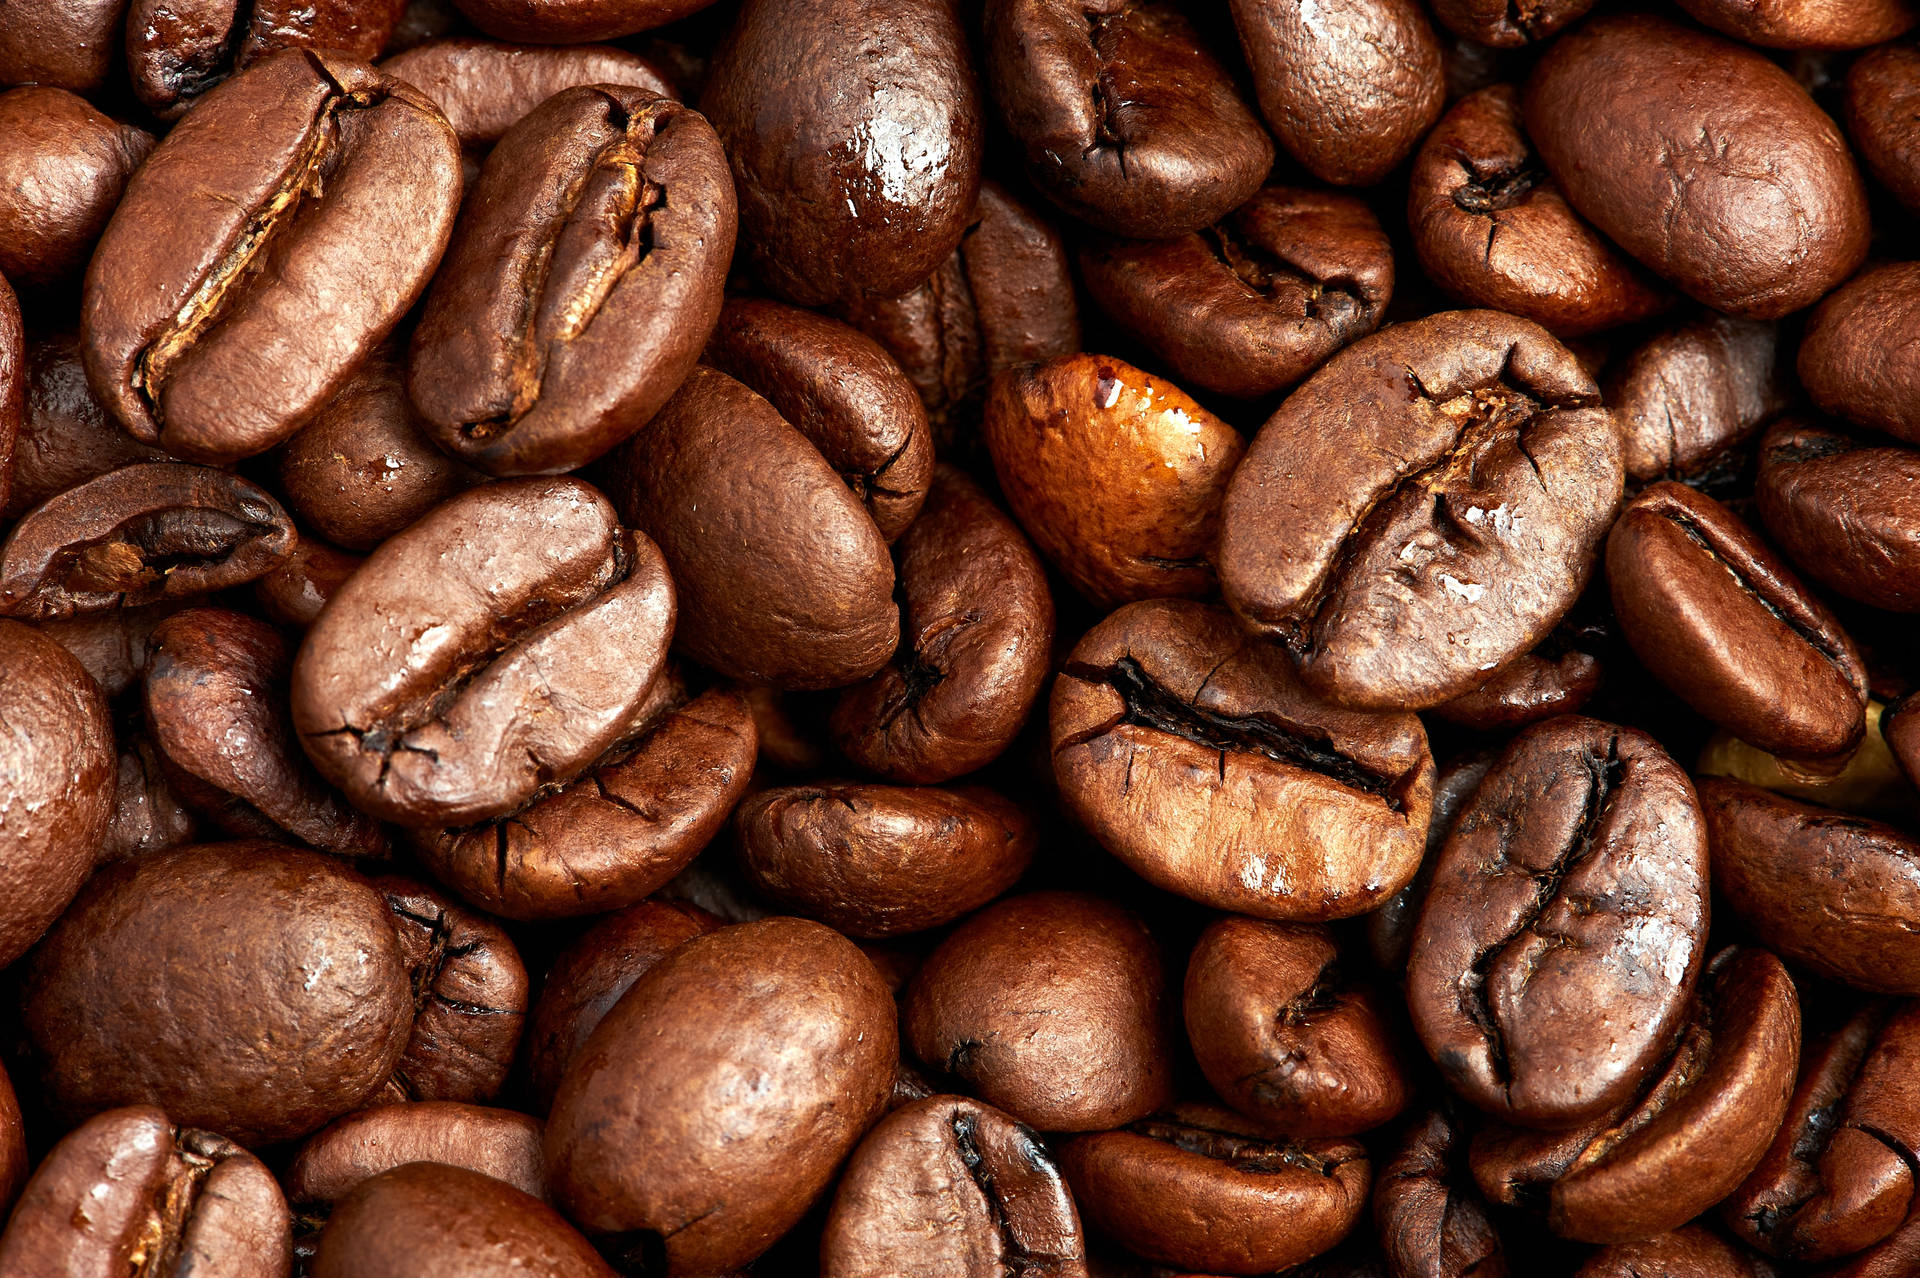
959	638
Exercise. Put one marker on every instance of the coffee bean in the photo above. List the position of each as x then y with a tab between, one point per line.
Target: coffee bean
1693	1252
1854	357
1880	90
1806	24
571	21
63	166
1686	397
13	1145
65	43
499	1143
1844	508
295	591
66	436
178	50
1555	678
1502	25
1431	1222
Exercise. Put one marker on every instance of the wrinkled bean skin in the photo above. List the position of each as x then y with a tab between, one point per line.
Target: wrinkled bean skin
485	87
494	1142
1693	1252
65	43
651	1130
1431	1223
1584	843
1495	230
66	436
1504	24
1116	474
1192	752
1283	1037
1806	24
177	50
1833	891
1257	301
1686	396
976	638
473	659
1399	577
1348	88
580	284
265	923
572	21
1100	1054
1125	118
1196	1188
58	760
1718	618
428	1218
947	1187
200	349
1845	509
857	160
1882	92
128	1192
63	166
1703	160
1856	358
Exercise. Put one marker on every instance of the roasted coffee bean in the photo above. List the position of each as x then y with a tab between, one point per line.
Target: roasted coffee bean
429	1218
1718	618
147	815
1845	508
13	386
1431	1223
621	830
1868	782
1827	889
580	285
781	574
1806	24
178	50
66	435
1882	91
654	1139
1557	952
13	1145
128	1192
1693	1252
591	974
1199	1188
215	696
1684	397
267	245
503	643
57	761
1193	753
1390	927
1286	1036
494	1142
879	860
857	159
1553	679
1399	576
840	390
1258	300
1350	88
1123	115
1492	227
1855	359
362	469
66	43
976	638
1902	727
1117	475
1839	1176
1505	24
571	21
295	591
1688	1141
63	166
949	1188
1050	1006
299	1013
1656	133
114	645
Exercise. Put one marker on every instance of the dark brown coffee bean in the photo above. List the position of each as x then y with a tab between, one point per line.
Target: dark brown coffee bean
1827	889
1806	24
1554	678
591	974
1117	475
1901	724
1693	1252
857	156
1845	508
1505	24
114	645
494	1142
13	386
215	697
1124	117
129	1193
1257	301
503	643
295	591
1193	753
63	166
178	50
1050	1006
949	1188
147	815
264	249
1431	1223
1840	1176
429	1218
1401	575
1665	166
1688	1141
976	638
66	436
1198	1188
782	576
1557	953
580	284
1686	396
881	860
571	21
620	831
1882	91
362	469
1856	359
57	759
1493	228
66	43
299	1012
1285	1036
13	1145
1348	88
1390	928
655	1139
1719	619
